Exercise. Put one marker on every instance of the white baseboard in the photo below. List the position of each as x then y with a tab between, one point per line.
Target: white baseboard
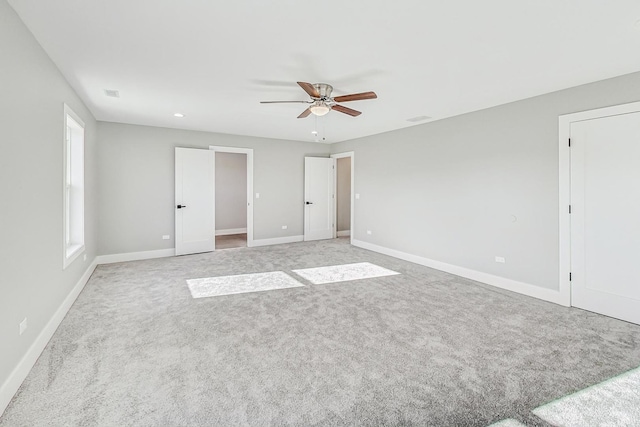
230	231
135	256
344	233
20	372
277	241
490	279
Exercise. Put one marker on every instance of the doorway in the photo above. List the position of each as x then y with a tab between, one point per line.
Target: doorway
233	197
344	195
602	237
231	200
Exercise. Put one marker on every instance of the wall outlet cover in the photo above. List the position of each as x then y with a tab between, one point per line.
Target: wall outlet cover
166	237
369	232
284	227
500	259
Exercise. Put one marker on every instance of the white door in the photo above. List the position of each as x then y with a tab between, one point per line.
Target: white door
195	201
605	216
318	196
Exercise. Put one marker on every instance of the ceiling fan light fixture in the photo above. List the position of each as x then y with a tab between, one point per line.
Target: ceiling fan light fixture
319	108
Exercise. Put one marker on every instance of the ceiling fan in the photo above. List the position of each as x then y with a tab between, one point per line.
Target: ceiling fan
322	102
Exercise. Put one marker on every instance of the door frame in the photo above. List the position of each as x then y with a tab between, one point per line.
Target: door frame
337	156
249	153
564	178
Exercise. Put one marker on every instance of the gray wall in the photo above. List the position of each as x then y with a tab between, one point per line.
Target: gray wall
231	191
33	284
137	184
344	193
450	190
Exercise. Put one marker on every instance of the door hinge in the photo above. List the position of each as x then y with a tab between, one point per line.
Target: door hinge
569	208
569	142
569	276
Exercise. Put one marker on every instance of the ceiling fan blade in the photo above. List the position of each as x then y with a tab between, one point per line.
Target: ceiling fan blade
356	97
284	102
308	87
346	110
304	114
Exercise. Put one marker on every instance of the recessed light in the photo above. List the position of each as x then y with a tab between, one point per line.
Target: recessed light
178	115
112	93
418	119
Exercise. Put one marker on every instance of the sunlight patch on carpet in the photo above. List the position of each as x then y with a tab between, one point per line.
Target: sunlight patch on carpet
614	402
509	422
343	273
240	284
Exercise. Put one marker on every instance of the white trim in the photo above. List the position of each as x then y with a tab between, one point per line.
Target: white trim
71	252
564	182
278	240
497	281
74	116
135	256
249	153
230	231
336	156
20	372
344	233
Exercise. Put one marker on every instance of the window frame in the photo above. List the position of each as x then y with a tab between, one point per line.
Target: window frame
72	249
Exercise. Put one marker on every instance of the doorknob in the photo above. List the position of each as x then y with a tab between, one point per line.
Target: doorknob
309	203
181	206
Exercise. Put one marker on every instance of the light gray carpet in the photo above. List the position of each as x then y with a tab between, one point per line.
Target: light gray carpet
613	403
420	348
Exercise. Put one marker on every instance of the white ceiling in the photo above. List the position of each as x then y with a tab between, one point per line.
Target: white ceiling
215	60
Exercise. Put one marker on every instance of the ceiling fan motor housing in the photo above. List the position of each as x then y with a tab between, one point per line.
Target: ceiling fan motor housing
324	90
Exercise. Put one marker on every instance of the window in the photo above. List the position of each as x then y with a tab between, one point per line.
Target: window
73	186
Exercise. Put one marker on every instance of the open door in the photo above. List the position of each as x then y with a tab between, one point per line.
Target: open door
195	201
319	197
605	207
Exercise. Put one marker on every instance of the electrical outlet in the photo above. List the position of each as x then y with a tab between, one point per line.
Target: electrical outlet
257	195
23	326
284	227
357	195
166	237
84	257
500	259
369	232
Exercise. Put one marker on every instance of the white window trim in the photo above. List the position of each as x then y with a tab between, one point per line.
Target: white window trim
69	252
